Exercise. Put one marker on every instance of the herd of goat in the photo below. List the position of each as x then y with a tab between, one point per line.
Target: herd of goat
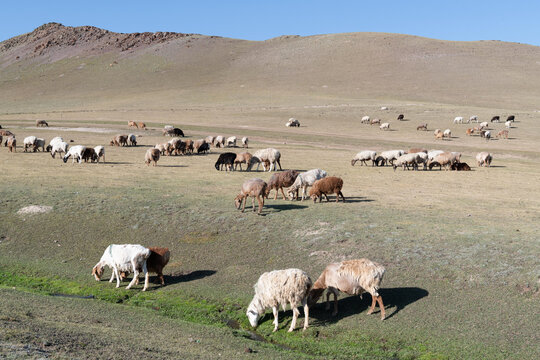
278	287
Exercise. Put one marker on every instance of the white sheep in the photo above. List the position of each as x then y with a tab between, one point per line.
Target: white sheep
123	258
487	135
391	155
245	142
100	152
405	160
28	142
280	287
365	120
363	156
385	126
484	159
58	147
484	125
447	133
293	123
303	180
508	124
458	120
270	154
75	151
433	153
231	141
132	139
473	118
219	141
422	158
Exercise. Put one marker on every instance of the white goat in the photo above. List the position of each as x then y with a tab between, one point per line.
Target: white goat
304	180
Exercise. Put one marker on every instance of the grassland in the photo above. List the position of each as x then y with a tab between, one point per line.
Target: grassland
461	249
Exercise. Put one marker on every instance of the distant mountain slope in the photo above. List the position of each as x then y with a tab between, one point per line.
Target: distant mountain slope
59	67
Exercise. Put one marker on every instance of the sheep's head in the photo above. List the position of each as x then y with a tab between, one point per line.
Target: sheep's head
111	143
314	197
48	148
291	194
238	200
97	271
253	315
65	158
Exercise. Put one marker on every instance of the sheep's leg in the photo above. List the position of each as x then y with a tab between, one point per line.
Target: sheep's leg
343	197
161	279
135	274
112	276
275	310
253	203
282	193
296	312
326	196
373	300
304	188
381	306
244	201
306	316
279	163
146	277
335	292
117	277
328	293
261	202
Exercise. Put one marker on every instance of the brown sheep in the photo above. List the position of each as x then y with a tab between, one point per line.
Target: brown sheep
89	154
158	259
242	158
256	188
327	185
132	124
503	134
119	140
142	125
151	155
469	131
375	121
11	143
188	148
281	180
164	147
439	135
41	123
445	159
421	127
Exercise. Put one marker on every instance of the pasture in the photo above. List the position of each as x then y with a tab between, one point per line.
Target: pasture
460	248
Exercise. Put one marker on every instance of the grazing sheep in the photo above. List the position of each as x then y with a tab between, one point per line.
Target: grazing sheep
473	118
89	154
151	155
303	180
483	133
188	147
456	156
41	123
459	166
364	156
176	145
496	118
256	188
458	120
11	143
125	257
484	125
375	121
404	161
132	140
391	155
437	131
439	135
270	154
242	158
142	125
204	148
173	132
245	142
445	159
365	120
503	134
226	159
487	135
401	117
281	180
352	277
422	127
197	144
280	287
100	152
58	148
156	262
484	159
28	142
508	124
6	133
219	141
325	186
292	123
210	139
132	124
511	118
162	148
422	158
447	133
231	141
385	126
39	143
433	153
119	140
469	131
75	151
379	161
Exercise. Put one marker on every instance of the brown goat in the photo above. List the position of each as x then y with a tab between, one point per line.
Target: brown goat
327	185
439	135
256	188
422	127
132	124
151	155
158	259
281	180
242	158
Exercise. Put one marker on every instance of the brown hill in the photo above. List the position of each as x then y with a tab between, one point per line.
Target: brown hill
61	68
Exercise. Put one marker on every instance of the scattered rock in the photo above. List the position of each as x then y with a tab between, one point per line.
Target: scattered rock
34	209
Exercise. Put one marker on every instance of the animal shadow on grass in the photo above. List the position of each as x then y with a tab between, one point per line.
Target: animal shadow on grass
397	298
497	166
114	163
283	207
172	166
180	277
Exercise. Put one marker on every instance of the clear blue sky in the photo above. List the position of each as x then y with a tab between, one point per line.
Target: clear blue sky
508	20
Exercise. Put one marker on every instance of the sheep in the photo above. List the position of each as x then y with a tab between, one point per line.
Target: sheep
256	188
226	159
447	133
487	135
401	117
437	131
40	143
41	123
483	133
173	132
496	118
379	161
417	150
210	139
365	120
324	186
100	152
511	118
469	131
132	140
363	156
219	141
270	154
132	124
458	120
422	158
456	156
375	121
473	118
503	134
304	180
168	127
459	166
162	148
75	151
245	142
197	144
242	158
280	180
151	155
188	147
119	140
385	126
231	141
508	124
156	262
11	143
439	135
292	123
484	125
142	125
6	133
203	148
58	147
29	142
433	153
422	127
127	257
391	155
384	107
352	277
445	159
404	161
484	159
280	287
89	154
176	145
